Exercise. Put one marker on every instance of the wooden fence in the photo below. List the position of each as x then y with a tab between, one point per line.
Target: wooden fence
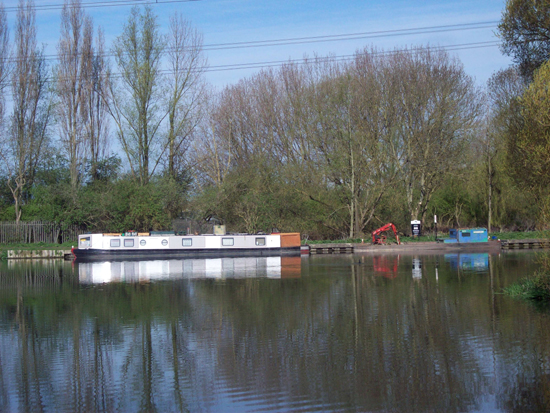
37	231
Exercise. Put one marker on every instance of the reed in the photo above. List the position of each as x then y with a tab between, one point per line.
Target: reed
535	287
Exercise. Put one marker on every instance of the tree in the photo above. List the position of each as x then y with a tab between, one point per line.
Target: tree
529	144
73	73
136	101
31	107
351	141
186	89
503	90
4	57
525	33
438	109
97	126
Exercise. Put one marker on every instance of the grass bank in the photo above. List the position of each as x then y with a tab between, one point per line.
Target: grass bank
4	248
440	235
37	246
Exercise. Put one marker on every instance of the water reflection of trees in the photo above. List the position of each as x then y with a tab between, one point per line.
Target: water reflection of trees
337	338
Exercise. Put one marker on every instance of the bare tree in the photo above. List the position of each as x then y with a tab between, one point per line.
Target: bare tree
211	152
74	52
353	137
187	91
4	57
439	108
97	125
136	101
31	107
4	81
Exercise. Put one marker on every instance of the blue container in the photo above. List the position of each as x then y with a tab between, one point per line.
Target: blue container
472	235
467	235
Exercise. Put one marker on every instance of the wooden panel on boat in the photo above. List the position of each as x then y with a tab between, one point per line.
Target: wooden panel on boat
291	239
112	234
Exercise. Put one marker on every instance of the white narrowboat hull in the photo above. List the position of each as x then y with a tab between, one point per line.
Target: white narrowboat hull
115	246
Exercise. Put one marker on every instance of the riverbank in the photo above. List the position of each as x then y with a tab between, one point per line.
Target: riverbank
423	244
406	247
35	250
35	254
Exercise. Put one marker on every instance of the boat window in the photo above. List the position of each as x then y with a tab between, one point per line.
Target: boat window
228	242
115	243
85	242
465	234
164	242
142	242
260	241
128	242
186	242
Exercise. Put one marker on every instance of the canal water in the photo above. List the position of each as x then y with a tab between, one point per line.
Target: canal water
427	333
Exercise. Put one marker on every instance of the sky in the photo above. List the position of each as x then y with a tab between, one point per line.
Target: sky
466	26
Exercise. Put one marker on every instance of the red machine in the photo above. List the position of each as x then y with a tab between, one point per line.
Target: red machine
379	238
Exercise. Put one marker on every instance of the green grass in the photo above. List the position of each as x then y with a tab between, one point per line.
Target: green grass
336	241
368	239
423	238
440	235
536	287
522	235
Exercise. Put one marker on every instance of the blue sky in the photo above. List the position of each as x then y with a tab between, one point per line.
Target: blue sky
232	21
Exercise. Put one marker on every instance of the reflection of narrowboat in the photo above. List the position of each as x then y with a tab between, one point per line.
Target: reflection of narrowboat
132	245
94	272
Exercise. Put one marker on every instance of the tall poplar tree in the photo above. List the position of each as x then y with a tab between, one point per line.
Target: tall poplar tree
186	89
31	107
74	52
136	99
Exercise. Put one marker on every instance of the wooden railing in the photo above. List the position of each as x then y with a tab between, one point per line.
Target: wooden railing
37	231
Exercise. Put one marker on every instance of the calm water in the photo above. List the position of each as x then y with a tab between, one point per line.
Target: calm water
321	333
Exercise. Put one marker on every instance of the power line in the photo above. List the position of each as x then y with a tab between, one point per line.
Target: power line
302	61
274	63
97	4
261	65
330	38
353	36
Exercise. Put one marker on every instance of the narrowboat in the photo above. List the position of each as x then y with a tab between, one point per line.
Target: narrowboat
163	245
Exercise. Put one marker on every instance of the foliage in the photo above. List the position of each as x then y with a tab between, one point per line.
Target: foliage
532	288
525	33
530	149
529	141
535	287
111	206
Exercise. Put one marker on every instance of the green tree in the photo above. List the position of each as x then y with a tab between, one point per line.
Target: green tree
529	146
503	90
525	33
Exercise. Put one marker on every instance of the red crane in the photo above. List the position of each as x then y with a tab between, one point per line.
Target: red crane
379	238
